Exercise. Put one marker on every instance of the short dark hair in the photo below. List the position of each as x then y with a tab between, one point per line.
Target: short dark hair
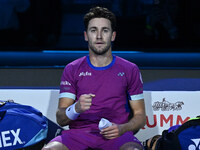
100	12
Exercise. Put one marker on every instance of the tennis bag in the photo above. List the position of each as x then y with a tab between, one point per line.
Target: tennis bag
183	137
21	126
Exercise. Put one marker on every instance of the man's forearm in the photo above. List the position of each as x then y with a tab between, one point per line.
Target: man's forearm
134	124
62	119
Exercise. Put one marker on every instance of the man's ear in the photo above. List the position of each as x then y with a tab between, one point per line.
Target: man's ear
85	36
113	36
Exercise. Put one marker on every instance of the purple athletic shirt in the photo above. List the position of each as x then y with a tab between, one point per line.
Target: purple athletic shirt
110	84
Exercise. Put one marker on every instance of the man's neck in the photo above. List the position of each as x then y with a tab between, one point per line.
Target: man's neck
101	60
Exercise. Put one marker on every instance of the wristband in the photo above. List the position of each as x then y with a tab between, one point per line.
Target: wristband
71	112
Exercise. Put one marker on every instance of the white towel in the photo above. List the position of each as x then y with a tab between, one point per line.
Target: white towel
104	123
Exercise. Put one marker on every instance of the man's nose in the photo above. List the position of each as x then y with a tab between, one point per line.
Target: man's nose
99	35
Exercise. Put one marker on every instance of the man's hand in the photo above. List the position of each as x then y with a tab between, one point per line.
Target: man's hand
111	132
84	103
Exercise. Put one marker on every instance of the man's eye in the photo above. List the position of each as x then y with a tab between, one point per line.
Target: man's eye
93	30
105	31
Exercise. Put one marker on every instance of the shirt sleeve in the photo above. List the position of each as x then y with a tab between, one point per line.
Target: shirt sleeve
67	84
135	83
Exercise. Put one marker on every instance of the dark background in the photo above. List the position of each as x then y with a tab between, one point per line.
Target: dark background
142	25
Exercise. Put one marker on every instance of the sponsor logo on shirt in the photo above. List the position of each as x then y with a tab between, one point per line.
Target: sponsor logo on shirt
65	83
85	74
121	74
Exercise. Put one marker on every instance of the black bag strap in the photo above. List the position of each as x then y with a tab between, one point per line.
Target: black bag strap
189	123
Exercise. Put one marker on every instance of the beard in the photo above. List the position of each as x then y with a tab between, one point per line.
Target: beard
100	51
